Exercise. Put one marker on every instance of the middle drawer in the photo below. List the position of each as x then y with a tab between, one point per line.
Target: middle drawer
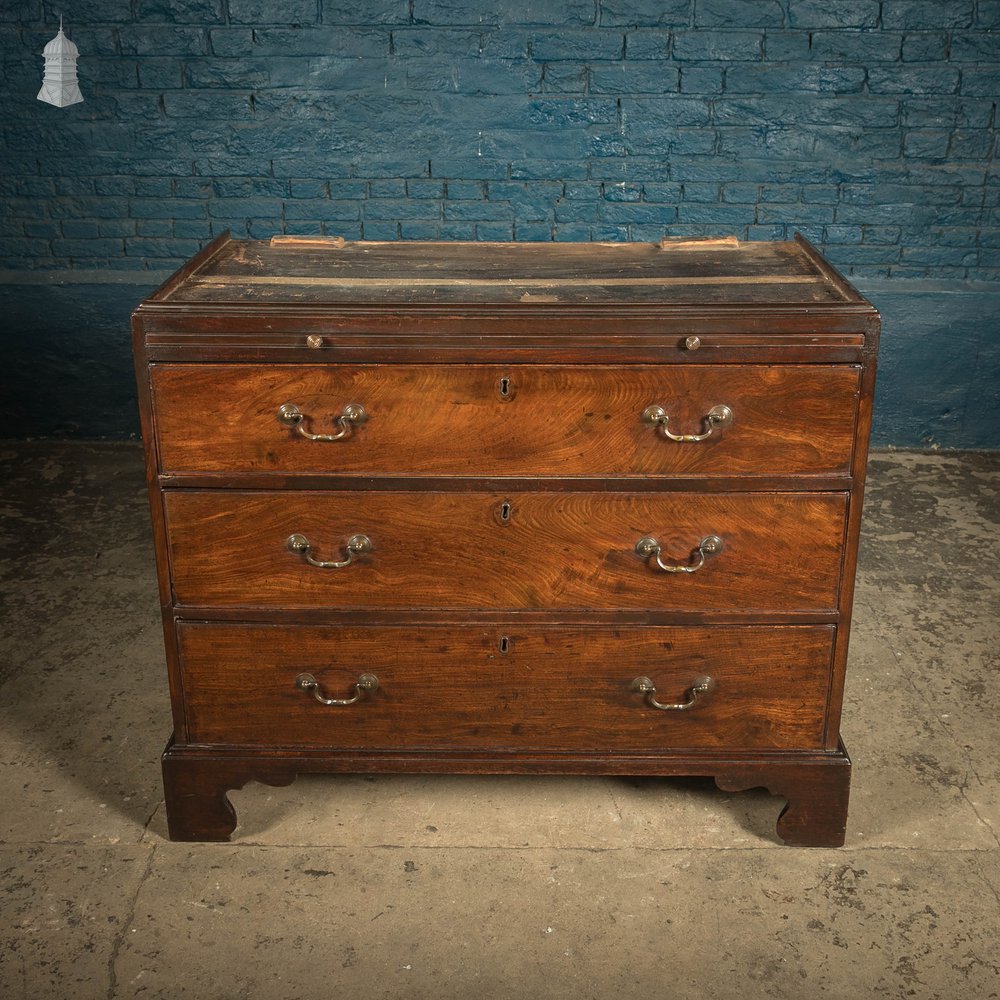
679	551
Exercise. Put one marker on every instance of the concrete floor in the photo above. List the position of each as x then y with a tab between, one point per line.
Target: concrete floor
491	887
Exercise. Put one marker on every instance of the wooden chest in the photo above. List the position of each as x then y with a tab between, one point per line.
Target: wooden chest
506	508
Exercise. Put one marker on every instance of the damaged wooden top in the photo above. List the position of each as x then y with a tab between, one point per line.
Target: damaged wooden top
332	272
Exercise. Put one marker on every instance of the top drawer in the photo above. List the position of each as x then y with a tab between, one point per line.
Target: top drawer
515	420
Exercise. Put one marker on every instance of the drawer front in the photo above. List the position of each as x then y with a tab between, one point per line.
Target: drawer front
464	687
519	420
779	551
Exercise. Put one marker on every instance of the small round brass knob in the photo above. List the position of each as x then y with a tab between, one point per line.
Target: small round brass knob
314	340
692	343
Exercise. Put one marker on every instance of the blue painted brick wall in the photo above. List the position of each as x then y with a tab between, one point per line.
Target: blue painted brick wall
870	125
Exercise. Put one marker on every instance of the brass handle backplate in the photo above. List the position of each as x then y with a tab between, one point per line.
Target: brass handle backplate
718	417
700	687
353	414
356	545
365	683
649	547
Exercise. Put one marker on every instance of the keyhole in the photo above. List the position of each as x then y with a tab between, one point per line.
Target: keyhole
504	645
505	387
505	511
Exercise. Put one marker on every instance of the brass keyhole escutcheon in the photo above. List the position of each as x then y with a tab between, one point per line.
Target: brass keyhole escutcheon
504	645
505	388
503	512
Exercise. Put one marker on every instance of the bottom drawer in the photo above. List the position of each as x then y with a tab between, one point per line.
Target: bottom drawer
466	687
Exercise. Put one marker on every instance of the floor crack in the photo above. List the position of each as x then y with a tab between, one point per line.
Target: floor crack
127	921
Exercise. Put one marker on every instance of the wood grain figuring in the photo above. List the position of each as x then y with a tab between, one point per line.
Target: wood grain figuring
554	688
547	420
570	550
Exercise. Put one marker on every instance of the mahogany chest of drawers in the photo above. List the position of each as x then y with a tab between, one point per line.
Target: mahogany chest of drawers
506	508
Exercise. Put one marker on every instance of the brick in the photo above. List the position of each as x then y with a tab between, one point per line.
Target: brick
371	12
573	232
37	230
862	111
647	44
913	80
739	14
977	47
661	192
192	187
796	214
347	190
813	14
926	144
167	208
315	41
941	255
179	11
191	104
504	42
857	47
231	42
623	192
182	249
473	76
634	78
322	210
936	112
742	194
842	234
700	192
273	11
80	229
533	232
424	189
244	208
476	211
880	234
86	248
929	14
159	74
576	211
242	74
701	79
729	215
386	188
972	145
648	125
720	46
435	41
154	227
783	46
750	79
193	228
308	189
457	190
926	46
397	210
578	44
635	13
565	78
988	14
484	168
981	81
512	11
642	213
495	231
154	187
162	40
249	187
